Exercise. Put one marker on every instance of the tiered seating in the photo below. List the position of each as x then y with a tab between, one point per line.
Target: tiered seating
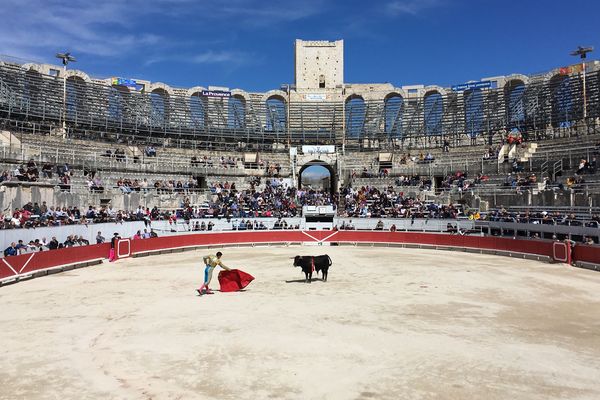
92	155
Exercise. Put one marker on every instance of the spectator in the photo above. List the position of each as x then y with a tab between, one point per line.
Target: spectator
11	250
99	238
21	247
53	244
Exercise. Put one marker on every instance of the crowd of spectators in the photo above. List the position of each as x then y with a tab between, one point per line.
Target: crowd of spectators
127	185
44	244
424	183
370	202
541	217
41	215
118	155
273	200
223	162
30	172
276	199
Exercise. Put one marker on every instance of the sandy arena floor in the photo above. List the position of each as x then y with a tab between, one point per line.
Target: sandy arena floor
389	324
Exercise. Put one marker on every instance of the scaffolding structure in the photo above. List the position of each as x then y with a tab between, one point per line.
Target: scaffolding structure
545	103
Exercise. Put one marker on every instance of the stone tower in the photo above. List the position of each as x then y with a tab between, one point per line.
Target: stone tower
319	64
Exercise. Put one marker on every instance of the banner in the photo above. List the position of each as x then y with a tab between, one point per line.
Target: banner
318	149
315	96
130	83
472	85
573	69
216	93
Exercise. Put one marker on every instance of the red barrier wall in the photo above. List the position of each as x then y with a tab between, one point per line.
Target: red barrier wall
585	253
27	263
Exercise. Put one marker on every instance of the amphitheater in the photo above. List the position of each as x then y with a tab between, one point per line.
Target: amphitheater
454	218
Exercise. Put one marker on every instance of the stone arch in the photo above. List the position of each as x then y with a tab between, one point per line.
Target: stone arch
241	93
274	93
393	114
236	110
33	88
514	100
435	88
561	100
433	111
356	111
473	112
117	97
315	162
193	90
160	86
74	73
514	77
75	97
198	108
276	112
159	105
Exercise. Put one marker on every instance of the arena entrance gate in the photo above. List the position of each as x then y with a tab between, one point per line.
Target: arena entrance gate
328	182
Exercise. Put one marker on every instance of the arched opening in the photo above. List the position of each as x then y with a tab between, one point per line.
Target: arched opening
355	116
473	112
562	101
275	114
433	109
317	175
514	93
321	81
32	90
160	106
236	112
198	110
116	100
75	97
394	108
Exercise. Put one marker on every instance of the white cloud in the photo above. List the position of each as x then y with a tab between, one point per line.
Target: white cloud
110	28
410	7
40	28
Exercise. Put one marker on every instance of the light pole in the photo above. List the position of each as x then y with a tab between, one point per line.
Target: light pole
66	59
582	53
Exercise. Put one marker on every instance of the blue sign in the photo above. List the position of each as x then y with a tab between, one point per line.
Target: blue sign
216	93
130	83
472	85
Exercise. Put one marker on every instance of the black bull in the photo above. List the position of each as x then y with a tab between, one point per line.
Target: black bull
313	263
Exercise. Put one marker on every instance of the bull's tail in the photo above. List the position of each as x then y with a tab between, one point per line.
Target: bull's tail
330	262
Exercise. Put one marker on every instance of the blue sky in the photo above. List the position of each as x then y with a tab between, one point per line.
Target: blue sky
248	44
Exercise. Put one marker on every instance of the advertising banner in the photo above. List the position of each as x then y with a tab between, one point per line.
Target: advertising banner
315	96
216	93
130	83
472	85
318	149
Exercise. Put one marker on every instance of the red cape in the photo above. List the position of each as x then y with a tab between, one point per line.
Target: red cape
234	280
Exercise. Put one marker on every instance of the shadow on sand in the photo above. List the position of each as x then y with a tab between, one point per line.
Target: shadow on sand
304	281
